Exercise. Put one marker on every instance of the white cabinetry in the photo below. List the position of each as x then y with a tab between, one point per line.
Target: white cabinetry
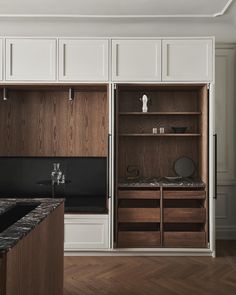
87	232
1	59
30	59
187	60
83	60
136	60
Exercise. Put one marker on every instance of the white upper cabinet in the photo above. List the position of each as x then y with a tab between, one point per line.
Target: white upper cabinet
136	60
30	59
187	60
83	60
1	59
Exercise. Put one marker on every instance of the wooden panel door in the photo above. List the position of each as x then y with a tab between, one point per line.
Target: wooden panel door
31	59
187	60
1	59
83	60
136	60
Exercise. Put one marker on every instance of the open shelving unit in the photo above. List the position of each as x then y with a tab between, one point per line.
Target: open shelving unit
161	216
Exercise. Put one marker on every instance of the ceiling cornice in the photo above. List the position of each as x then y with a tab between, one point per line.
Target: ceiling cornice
110	16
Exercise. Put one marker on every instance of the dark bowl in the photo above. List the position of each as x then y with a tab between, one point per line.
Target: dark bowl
179	129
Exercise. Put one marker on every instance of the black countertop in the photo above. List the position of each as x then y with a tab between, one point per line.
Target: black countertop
161	182
11	235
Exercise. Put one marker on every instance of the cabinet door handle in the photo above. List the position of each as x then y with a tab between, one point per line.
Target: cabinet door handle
64	59
108	166
215	164
11	51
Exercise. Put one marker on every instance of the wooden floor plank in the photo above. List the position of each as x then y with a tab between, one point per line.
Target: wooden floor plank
153	275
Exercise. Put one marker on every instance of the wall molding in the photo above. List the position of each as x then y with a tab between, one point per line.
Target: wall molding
226	232
113	16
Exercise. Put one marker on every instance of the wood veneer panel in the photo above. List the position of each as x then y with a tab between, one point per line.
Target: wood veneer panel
45	123
155	156
182	194
181	215
35	264
138	239
2	274
139	194
184	239
138	214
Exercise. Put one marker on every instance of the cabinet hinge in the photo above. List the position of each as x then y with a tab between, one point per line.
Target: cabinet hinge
115	86
208	86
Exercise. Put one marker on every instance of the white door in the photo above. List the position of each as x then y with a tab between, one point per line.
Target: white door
83	60
30	59
1	59
187	60
136	60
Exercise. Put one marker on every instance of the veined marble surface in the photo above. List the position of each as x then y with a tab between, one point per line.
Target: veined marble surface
11	235
162	182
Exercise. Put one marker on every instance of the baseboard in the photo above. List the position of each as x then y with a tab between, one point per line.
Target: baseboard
226	232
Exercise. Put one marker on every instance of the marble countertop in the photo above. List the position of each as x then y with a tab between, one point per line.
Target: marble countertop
162	182
11	235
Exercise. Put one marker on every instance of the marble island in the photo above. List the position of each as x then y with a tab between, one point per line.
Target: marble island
31	238
41	208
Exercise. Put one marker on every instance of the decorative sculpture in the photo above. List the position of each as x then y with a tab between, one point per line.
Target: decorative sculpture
144	99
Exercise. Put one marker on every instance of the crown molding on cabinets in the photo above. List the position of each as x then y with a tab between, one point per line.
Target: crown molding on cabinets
115	16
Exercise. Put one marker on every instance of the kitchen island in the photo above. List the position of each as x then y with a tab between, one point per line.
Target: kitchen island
31	246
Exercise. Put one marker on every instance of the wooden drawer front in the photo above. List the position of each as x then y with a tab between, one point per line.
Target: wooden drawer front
136	194
139	214
185	239
191	215
184	194
139	239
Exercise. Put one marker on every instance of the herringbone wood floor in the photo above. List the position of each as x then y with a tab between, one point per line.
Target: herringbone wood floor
153	275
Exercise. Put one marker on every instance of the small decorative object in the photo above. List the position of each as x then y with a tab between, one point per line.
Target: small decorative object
132	172
144	99
162	130
154	130
184	167
179	129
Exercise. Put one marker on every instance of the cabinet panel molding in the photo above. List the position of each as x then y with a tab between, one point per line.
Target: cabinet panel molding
86	232
225	111
136	60
30	59
1	59
187	60
83	60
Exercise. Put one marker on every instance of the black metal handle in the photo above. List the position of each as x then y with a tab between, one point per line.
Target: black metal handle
215	145
108	166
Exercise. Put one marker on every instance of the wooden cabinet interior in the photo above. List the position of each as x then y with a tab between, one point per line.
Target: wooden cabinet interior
41	121
163	217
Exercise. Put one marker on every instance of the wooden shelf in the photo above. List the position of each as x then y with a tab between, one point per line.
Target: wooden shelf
159	113
160	135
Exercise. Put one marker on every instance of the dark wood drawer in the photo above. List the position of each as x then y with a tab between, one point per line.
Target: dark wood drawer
139	194
181	215
139	214
184	239
135	239
184	194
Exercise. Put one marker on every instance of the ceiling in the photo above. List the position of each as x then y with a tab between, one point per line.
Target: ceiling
114	8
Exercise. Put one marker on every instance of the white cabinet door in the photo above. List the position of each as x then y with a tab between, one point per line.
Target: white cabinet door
136	60
187	60
86	232
83	60
30	59
1	59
